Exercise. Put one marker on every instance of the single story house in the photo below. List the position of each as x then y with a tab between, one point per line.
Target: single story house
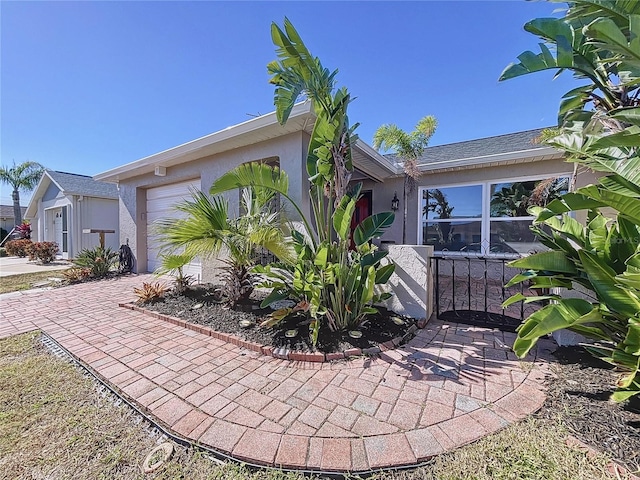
65	206
7	220
454	206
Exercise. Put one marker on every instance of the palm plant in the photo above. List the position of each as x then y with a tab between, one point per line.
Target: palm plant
597	41
173	264
409	147
25	177
207	231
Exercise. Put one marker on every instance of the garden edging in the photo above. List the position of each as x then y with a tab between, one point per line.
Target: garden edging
282	352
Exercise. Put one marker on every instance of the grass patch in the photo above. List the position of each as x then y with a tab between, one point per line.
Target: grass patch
25	281
53	424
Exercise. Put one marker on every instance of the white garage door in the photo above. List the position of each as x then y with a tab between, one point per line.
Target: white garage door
160	204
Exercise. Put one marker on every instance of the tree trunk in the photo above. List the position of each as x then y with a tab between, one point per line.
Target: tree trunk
17	211
404	211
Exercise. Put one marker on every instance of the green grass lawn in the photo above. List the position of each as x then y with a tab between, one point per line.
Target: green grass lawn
54	424
25	281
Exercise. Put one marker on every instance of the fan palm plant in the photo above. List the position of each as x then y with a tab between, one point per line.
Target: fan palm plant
173	264
207	231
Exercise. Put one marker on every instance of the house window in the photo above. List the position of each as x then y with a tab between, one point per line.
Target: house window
486	218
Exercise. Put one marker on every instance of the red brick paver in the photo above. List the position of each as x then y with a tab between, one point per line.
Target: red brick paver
448	386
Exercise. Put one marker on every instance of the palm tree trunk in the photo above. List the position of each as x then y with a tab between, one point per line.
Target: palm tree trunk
404	212
17	211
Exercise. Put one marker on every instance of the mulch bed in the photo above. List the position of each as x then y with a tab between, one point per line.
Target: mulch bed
579	397
201	306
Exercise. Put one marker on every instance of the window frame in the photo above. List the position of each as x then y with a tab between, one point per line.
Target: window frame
485	217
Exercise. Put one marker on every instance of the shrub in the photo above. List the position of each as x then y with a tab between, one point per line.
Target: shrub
44	251
18	248
100	261
3	252
150	292
76	274
24	229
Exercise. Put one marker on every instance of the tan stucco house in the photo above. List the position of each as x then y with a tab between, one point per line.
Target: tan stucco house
64	206
467	174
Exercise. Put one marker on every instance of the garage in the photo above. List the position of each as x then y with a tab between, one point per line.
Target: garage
161	202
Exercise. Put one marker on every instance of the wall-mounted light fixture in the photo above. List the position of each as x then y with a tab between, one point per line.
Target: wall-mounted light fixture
160	171
395	203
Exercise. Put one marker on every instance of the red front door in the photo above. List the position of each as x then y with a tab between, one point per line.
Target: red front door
362	211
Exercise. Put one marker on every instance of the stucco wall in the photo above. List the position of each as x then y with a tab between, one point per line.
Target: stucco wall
290	151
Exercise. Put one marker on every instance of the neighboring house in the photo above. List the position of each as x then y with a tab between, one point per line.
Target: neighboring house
465	173
7	221
64	205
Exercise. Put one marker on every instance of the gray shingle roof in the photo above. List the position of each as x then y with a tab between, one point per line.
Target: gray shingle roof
75	184
6	211
511	142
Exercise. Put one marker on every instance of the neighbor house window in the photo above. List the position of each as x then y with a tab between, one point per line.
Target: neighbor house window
486	218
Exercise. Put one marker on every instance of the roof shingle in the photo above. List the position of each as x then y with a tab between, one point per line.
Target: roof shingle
6	211
75	184
481	147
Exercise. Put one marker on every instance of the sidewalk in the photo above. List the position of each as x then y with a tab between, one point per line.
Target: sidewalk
452	384
16	266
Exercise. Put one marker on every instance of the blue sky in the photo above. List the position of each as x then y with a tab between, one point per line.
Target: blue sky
88	86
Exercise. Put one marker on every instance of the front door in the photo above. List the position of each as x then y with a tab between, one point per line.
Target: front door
57	227
362	211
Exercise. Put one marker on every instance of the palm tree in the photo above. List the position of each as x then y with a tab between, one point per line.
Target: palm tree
409	147
25	177
207	231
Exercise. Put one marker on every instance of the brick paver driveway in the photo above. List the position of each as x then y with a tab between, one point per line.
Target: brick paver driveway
450	385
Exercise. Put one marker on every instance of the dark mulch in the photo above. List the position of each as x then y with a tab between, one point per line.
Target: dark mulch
201	305
579	398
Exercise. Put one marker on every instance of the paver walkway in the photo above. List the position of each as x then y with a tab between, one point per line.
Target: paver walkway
450	385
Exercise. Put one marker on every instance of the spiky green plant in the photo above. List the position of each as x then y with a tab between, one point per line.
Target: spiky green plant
207	230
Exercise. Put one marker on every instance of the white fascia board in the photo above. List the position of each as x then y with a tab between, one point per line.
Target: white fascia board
497	158
248	126
384	162
37	193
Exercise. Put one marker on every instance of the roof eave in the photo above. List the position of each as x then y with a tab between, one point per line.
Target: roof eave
173	154
474	162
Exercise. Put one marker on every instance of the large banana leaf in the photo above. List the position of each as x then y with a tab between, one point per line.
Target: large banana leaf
372	227
605	32
343	214
549	319
551	261
602	277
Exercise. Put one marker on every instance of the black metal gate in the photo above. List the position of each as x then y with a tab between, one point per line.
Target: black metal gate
471	290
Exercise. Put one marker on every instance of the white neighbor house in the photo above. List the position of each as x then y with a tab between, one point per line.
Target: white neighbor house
65	204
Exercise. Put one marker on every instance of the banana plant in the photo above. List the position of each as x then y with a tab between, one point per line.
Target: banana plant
599	127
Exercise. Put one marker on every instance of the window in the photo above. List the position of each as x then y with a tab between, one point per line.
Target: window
486	218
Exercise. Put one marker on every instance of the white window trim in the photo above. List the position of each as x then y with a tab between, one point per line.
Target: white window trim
486	218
